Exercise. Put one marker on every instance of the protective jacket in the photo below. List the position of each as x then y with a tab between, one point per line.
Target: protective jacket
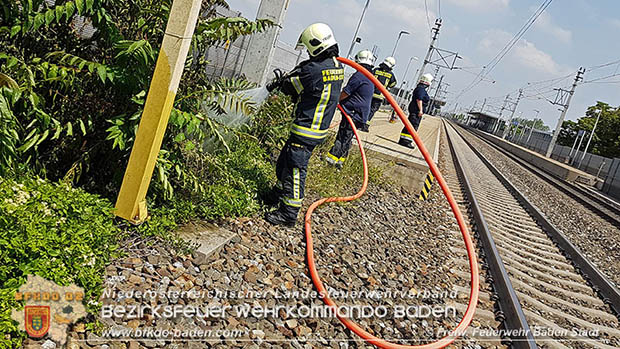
316	85
419	93
384	74
360	91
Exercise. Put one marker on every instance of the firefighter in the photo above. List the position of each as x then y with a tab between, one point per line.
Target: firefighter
355	99
417	108
315	85
384	74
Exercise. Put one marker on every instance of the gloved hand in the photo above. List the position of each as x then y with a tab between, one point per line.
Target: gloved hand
277	81
274	84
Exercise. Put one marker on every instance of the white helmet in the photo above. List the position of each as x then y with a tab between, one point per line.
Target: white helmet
316	39
390	62
427	79
364	57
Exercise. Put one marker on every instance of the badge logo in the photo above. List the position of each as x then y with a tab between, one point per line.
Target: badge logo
37	320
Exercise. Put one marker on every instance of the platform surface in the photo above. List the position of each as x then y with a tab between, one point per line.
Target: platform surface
554	167
406	166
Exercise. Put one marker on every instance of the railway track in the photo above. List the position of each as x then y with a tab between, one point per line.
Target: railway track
549	295
597	204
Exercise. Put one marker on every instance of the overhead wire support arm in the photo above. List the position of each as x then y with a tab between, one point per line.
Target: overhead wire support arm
565	105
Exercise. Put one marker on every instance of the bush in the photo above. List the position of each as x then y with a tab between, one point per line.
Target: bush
55	231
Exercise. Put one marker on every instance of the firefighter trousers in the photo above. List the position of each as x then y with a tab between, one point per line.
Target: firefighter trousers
374	107
291	170
340	150
405	137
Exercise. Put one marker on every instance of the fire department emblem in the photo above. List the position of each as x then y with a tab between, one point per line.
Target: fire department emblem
37	320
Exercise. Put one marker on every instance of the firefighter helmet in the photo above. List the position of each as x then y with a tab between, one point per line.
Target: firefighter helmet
426	79
390	62
364	57
316	38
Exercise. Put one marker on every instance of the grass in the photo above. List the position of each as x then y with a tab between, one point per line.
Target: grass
328	181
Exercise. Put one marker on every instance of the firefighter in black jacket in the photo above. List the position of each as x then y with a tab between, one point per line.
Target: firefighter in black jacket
417	108
355	100
316	85
384	74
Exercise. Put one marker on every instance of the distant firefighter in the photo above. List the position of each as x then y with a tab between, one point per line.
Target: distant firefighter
386	76
315	84
355	99
417	108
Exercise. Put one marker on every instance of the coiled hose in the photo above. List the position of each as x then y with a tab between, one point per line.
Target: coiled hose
473	265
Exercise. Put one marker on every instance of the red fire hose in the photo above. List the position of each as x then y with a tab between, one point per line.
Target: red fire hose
473	265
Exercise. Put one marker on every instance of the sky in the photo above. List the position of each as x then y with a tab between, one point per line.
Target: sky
570	34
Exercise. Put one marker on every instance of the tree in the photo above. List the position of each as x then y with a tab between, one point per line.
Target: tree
606	139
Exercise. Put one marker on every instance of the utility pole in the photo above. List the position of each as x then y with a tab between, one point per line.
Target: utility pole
435	31
402	84
483	104
397	40
572	149
590	139
500	114
512	115
534	124
359	24
131	202
561	94
375	52
578	147
430	109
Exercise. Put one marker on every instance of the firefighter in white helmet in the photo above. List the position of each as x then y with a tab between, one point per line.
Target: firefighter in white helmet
417	108
385	75
355	99
315	85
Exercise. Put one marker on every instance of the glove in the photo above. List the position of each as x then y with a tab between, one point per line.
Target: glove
277	81
365	128
274	84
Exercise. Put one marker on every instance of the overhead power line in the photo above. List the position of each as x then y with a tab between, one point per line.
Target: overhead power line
603	65
507	48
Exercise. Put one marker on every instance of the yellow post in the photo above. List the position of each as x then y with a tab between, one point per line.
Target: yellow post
131	201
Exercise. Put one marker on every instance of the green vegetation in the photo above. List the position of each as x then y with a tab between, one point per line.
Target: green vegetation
74	79
327	181
525	124
73	82
53	230
606	140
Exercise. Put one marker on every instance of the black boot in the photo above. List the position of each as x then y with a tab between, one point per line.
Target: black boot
406	144
277	217
272	197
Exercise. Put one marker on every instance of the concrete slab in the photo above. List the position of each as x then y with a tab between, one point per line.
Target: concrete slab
207	238
555	168
405	166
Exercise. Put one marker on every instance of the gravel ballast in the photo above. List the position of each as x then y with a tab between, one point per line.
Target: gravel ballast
597	238
388	242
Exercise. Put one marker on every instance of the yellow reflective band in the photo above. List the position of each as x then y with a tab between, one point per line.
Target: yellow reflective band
296	183
406	135
342	159
378	95
320	108
297	84
291	202
308	132
329	155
